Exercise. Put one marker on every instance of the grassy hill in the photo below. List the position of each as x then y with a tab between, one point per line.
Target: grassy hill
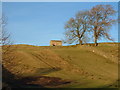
81	66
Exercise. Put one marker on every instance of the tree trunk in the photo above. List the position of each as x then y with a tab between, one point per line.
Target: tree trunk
95	36
80	42
95	41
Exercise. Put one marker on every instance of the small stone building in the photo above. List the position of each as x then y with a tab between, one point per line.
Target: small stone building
55	43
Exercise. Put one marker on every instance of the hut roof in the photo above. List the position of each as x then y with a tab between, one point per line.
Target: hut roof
56	41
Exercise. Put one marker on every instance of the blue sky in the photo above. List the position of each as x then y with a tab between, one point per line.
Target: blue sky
36	23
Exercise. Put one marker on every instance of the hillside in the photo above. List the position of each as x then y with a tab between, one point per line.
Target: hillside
80	66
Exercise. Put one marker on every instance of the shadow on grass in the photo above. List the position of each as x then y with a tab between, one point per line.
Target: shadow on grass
35	81
10	80
44	71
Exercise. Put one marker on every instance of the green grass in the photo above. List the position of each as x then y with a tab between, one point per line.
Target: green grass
82	66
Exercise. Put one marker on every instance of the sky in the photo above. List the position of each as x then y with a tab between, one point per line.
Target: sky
36	23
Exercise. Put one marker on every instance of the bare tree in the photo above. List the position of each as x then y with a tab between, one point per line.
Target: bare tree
6	44
6	53
76	28
101	20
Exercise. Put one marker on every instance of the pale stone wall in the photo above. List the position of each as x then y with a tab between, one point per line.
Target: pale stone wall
55	43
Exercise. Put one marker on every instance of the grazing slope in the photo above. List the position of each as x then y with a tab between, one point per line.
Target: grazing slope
83	66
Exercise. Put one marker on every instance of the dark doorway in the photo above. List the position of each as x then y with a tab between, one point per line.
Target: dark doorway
53	44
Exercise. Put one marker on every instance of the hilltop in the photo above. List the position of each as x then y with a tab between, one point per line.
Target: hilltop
71	66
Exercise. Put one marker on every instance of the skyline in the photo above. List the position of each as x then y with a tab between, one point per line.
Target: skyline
36	23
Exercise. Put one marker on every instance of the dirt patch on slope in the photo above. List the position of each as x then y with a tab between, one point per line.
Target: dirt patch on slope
39	82
45	81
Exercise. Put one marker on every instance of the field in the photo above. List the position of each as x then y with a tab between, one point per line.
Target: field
66	66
